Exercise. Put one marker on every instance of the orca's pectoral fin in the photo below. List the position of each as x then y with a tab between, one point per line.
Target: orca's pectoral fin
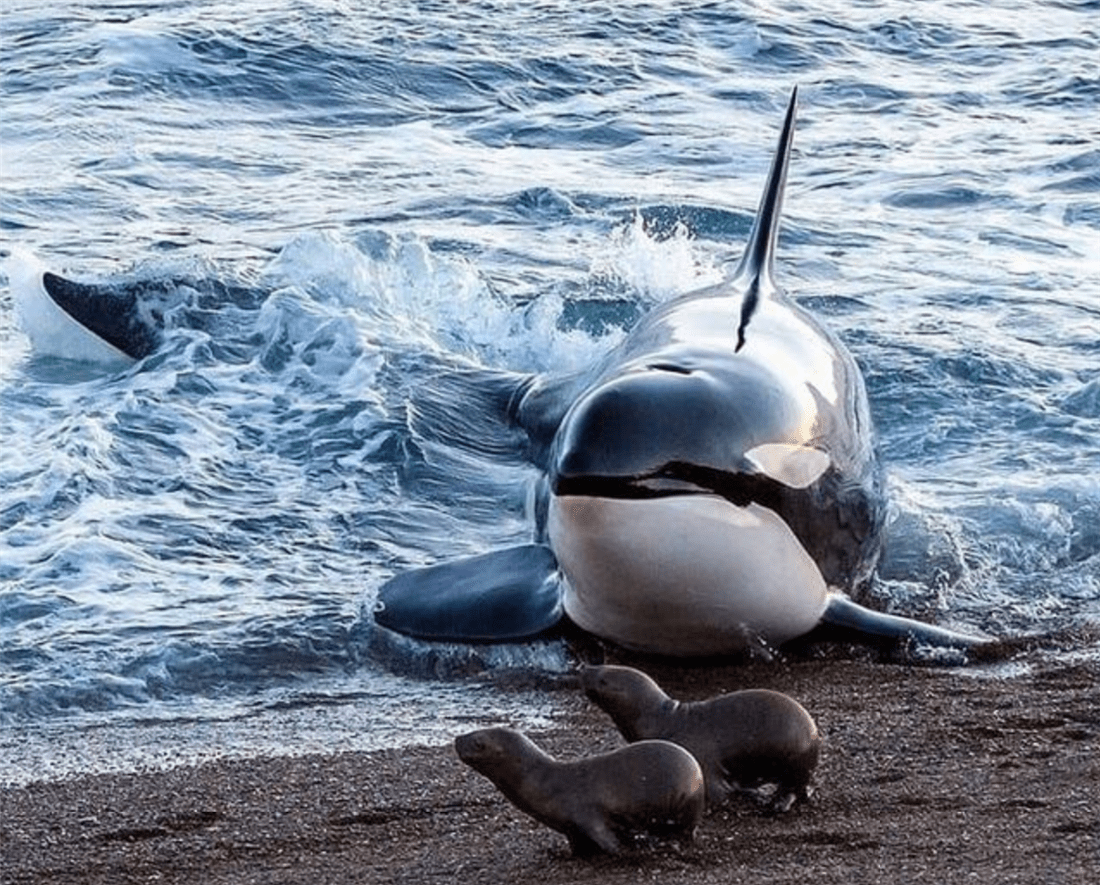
845	620
497	597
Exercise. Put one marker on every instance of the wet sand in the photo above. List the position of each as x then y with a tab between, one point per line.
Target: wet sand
928	776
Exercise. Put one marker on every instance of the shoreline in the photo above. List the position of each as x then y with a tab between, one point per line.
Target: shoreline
927	775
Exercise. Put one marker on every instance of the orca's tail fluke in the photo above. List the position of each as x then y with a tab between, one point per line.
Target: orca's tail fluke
755	274
109	324
112	313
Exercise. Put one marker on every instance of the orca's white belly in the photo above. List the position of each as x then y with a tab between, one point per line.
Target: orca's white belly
683	574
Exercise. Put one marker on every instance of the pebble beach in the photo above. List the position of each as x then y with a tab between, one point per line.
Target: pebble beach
927	776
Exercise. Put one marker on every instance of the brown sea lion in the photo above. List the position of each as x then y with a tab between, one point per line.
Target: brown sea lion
744	739
600	803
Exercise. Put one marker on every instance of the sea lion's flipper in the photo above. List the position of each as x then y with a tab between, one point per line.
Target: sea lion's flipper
496	597
845	620
590	840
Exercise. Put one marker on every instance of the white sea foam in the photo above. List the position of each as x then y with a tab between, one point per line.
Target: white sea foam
657	268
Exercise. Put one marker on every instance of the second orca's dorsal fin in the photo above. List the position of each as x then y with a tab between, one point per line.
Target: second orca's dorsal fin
754	275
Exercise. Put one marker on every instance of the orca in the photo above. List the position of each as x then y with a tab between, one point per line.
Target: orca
712	483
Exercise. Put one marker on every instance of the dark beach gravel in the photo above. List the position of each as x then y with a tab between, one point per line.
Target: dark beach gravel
929	775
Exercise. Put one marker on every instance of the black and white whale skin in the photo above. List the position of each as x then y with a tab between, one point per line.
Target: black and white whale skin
113	325
711	484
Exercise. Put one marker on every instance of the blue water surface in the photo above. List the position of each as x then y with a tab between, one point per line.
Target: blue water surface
340	201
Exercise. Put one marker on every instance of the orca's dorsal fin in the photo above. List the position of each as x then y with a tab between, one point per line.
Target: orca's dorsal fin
754	275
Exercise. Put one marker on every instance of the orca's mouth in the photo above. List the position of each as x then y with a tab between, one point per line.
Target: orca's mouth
740	489
630	488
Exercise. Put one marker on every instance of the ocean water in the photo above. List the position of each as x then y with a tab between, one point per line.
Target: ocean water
338	202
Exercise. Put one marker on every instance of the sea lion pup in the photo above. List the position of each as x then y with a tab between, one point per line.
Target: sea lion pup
744	739
600	803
